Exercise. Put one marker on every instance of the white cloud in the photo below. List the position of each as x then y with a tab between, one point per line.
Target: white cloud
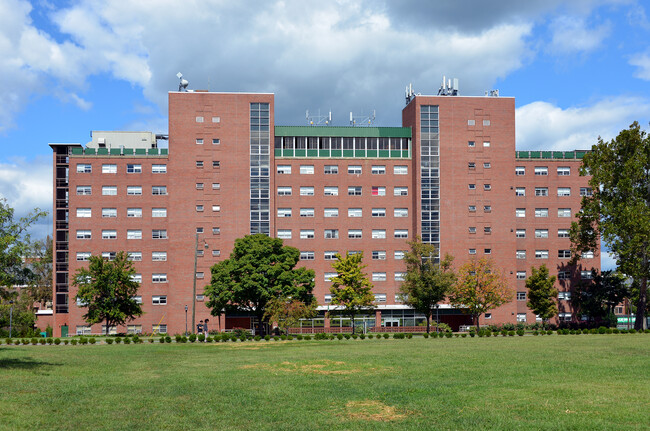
571	35
543	126
607	261
642	61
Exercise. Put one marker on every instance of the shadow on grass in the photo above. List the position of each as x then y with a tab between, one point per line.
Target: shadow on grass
24	363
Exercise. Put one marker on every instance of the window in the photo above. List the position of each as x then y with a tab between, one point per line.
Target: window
134	212
380	297
84	212
378	276
216	231
199	208
564	191
137	278
83	329
471	144
355	212
109	234
306	255
563	233
487	165
379	255
306	212
400	276
158	169
284	169
354	233
487	230
541	233
216	208
134	190
327	298
471	208
521	317
306	233
330	255
520	212
331	233
520	233
328	276
541	212
379	212
472	229
564	212
487	187
354	169
520	191
378	233
378	170
521	254
587	255
520	170
331	212
586	191
84	190
133	234
134	256
199	141
284	233
159	233
586	275
486	122
109	190
133	169
472	186
486	143
216	119
564	254
284	190
354	191
541	254
399	254
401	233
521	275
83	256
109	169
199	186
216	253
216	141
159	256
471	122
471	165
159	278
199	119
521	296
564	296
378	191
159	190
401	191
306	191
563	275
331	169
487	208
307	169
472	251
541	170
284	212
158	212
199	275
400	212
199	230
541	191
216	186
159	300
331	191
400	170
199	163
108	255
488	316
84	168
563	171
216	164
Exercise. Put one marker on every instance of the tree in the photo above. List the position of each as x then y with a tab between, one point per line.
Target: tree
598	298
287	312
618	212
14	243
427	282
40	263
107	290
259	270
480	287
541	293
351	288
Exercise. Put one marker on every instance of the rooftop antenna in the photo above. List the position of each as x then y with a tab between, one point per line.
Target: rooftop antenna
409	93
447	88
182	85
367	120
318	120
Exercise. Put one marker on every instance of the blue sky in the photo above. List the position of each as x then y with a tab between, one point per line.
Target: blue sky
578	69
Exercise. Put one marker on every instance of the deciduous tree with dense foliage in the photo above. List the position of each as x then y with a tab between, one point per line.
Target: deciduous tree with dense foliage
427	282
619	209
351	288
107	290
597	299
480	287
260	269
287	312
542	294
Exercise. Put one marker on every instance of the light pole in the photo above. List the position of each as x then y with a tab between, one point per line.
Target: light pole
186	320
11	316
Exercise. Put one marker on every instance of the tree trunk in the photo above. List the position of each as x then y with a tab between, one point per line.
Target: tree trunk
476	316
639	322
107	327
428	321
353	314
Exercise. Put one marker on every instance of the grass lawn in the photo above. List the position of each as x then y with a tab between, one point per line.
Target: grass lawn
583	382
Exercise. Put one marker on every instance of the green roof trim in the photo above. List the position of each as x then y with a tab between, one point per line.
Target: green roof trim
344	132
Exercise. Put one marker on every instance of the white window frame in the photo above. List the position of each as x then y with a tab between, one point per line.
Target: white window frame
109	212
331	190
378	170
330	212
284	212
400	170
159	300
379	234
134	234
284	191
134	190
400	191
307	169
355	212
159	256
134	212
283	233
283	169
84	212
158	212
307	234
109	190
109	168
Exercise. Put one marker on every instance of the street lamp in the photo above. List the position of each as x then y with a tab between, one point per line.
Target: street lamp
186	320
11	316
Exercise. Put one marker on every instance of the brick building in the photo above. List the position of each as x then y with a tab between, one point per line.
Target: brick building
450	174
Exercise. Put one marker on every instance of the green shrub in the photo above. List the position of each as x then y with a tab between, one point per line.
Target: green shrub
362	336
306	337
386	336
355	336
50	340
73	341
92	340
9	341
276	338
464	335
41	340
267	337
647	331
168	339
504	332
511	333
57	341
409	335
623	331
371	336
608	331
192	338
535	332
425	335
109	341
65	342
161	339
331	336
520	332
283	337
398	336
201	338
299	337
615	331
632	331
151	340
208	339
34	341
472	334
347	336
549	332
257	338
127	340
456	335
448	334
339	336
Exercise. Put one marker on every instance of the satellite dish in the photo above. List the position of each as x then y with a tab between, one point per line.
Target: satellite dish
183	82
